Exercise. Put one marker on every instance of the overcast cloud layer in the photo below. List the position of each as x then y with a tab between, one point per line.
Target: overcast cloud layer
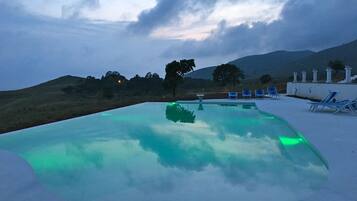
303	24
39	46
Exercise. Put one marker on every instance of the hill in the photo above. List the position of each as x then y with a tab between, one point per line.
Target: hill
257	65
47	103
10	99
346	52
39	104
281	64
203	73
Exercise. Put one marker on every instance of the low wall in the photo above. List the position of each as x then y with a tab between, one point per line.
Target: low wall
321	90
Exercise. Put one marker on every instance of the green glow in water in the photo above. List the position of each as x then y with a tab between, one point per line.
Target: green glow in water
290	141
172	104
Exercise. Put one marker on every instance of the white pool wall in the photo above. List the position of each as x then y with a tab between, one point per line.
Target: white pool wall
321	90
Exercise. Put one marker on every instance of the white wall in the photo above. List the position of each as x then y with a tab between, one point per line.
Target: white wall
321	90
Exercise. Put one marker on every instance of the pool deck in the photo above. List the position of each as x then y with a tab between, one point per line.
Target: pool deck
334	135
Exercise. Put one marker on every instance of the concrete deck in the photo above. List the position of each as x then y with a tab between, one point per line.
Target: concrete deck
334	135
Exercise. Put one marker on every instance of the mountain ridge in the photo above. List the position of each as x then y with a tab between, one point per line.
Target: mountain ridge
282	63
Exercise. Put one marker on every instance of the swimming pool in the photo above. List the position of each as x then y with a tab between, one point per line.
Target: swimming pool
172	151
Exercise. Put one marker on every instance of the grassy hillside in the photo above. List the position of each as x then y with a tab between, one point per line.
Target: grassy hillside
47	103
282	64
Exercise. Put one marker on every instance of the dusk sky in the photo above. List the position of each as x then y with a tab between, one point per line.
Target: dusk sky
45	39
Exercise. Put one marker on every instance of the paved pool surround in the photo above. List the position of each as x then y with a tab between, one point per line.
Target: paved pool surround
334	135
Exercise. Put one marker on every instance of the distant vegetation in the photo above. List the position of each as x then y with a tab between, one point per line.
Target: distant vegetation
113	84
227	74
336	65
265	79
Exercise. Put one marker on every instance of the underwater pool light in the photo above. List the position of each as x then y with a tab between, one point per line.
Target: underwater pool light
290	141
172	104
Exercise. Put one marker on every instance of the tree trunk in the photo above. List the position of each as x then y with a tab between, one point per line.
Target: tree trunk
174	92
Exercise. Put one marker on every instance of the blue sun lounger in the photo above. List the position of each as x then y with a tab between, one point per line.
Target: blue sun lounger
314	106
273	92
343	106
259	93
246	93
232	95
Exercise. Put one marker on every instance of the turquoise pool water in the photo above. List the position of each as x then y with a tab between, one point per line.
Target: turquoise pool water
172	152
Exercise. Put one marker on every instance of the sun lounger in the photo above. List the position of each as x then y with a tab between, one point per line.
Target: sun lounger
314	106
232	95
273	92
343	106
259	93
246	93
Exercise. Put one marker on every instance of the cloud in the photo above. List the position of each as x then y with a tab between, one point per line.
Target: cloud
303	24
191	19
74	10
36	47
169	11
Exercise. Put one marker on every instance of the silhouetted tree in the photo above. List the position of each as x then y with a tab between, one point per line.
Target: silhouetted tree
155	76
91	85
150	84
336	65
114	77
150	75
175	72
228	74
264	79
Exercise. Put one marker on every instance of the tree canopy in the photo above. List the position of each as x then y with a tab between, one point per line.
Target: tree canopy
175	72
264	79
336	65
228	74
